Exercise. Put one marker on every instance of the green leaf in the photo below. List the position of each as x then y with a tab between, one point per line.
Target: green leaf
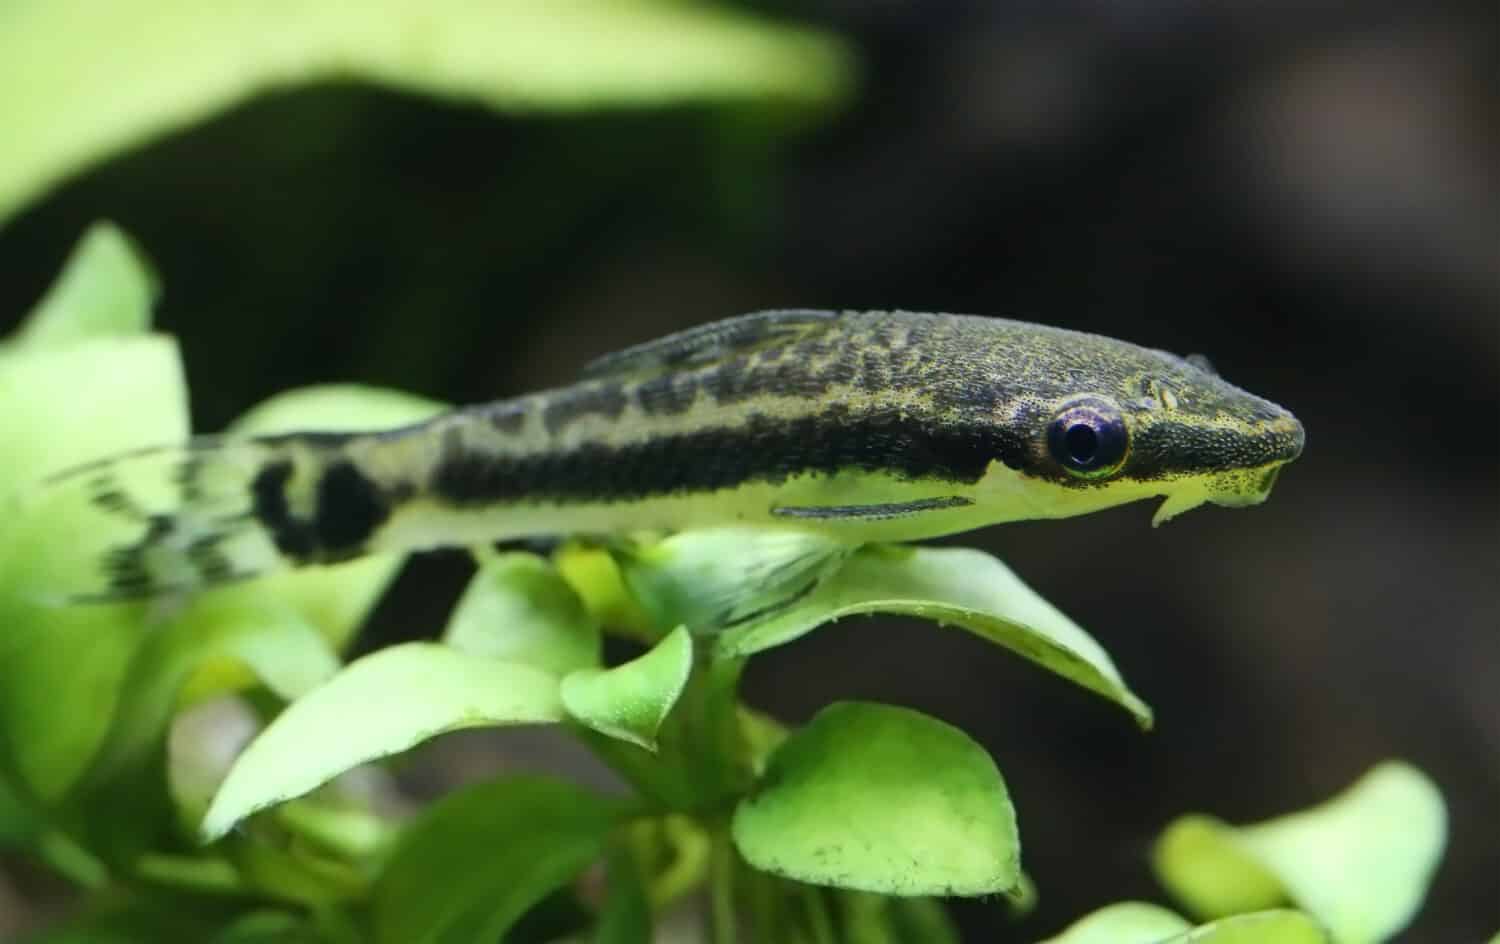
626	915
61	667
594	575
882	799
334	407
105	288
268	927
1360	863
967	588
1263	927
380	705
519	609
720	576
290	655
1134	922
476	860
86	81
125	804
1128	922
630	701
1211	874
126	920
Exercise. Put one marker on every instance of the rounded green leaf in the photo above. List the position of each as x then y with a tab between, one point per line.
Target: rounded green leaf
882	799
1360	863
475	861
518	608
88	80
380	705
334	407
1199	860
105	288
1128	922
631	701
964	587
1263	927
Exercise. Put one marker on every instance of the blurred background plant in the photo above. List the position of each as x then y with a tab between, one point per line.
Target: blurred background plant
1308	195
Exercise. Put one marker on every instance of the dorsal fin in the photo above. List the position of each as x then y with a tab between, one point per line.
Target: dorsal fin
1202	362
711	342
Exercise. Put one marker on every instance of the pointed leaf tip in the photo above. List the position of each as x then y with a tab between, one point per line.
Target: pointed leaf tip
631	701
958	586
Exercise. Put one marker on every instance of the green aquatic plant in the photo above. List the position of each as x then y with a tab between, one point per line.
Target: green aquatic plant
849	828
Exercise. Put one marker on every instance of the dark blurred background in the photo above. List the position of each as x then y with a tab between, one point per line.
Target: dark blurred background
1309	193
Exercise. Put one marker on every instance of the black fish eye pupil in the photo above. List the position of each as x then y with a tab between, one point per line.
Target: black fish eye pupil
1082	442
1088	438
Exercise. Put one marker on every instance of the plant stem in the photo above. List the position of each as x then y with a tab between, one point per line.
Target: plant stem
818	919
722	929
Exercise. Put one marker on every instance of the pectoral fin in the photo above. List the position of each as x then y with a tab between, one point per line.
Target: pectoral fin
880	512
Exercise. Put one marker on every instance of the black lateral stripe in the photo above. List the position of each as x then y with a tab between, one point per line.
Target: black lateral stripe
872	512
764	449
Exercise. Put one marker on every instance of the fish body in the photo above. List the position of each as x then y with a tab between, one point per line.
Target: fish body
862	426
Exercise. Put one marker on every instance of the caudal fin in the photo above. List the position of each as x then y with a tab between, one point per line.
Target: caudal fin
163	521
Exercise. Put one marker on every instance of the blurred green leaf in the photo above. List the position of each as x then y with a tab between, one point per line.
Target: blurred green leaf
62	666
1262	927
720	576
760	734
296	874
1128	922
125	920
594	575
882	799
200	874
290	657
380	705
334	408
626	915
967	588
87	80
268	927
475	861
1212	875
519	609
1360	863
125	802
1134	922
631	701
18	822
105	288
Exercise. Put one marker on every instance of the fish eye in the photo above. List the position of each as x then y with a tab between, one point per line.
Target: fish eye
1088	437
